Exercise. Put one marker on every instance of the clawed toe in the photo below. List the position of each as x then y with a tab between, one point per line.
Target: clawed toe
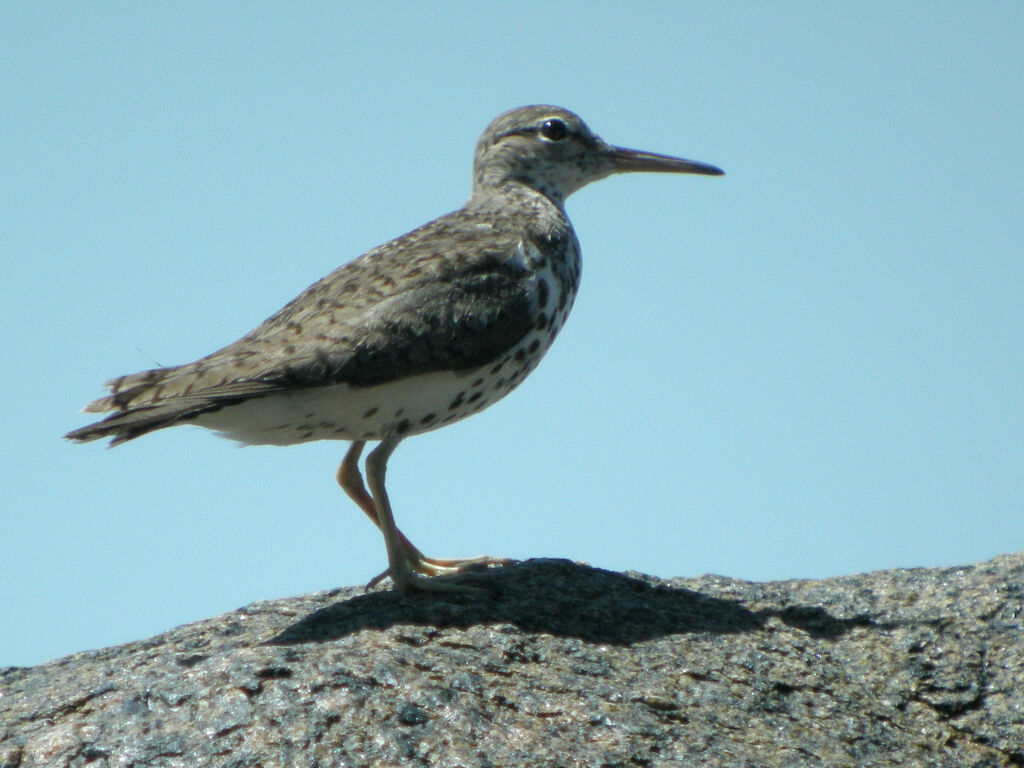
419	572
437	566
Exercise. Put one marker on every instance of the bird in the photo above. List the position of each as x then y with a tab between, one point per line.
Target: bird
415	334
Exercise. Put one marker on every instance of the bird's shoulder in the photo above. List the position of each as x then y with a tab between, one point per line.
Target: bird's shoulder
458	250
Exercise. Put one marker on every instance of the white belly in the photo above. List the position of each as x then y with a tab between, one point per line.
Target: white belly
404	407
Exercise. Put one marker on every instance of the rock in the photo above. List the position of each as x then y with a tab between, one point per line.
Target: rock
565	665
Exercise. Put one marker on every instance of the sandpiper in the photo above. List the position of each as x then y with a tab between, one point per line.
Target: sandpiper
415	334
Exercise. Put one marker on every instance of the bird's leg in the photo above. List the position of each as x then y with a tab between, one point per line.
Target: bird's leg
400	569
351	481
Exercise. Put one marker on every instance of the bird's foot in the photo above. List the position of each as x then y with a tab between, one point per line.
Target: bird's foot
417	571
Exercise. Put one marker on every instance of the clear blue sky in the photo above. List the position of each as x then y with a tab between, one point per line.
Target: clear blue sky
809	367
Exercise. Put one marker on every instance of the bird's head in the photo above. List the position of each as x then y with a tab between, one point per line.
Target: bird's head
551	150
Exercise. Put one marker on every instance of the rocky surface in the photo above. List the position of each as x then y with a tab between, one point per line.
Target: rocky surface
563	665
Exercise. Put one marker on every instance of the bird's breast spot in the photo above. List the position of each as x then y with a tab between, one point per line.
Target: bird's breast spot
343	412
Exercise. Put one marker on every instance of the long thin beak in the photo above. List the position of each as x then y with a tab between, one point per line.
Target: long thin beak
627	160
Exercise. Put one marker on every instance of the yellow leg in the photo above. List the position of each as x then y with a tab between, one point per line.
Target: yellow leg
352	483
406	564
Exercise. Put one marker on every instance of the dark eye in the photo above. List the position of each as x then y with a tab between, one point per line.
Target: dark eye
554	130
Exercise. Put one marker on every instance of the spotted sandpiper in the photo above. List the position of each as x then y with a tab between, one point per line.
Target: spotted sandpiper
415	334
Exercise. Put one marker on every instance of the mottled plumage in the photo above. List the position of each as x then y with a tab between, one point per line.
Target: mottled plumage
415	334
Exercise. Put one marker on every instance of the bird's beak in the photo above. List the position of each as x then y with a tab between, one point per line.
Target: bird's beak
628	160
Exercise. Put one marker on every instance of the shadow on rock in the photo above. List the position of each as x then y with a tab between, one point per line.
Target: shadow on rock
560	598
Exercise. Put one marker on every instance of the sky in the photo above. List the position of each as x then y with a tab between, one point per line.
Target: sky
811	366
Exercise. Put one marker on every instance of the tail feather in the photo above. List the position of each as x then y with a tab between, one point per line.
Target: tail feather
142	402
131	390
130	424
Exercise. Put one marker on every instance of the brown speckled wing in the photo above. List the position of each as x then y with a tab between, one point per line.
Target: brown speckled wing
447	311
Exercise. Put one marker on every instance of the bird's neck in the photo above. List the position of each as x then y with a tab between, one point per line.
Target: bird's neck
511	194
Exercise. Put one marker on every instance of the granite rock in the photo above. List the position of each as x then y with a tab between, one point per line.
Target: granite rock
560	664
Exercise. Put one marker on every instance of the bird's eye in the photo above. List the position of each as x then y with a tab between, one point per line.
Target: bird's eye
554	130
